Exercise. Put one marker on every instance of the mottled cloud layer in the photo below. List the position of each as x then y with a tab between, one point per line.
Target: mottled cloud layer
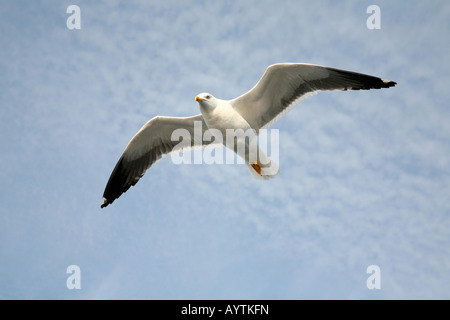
364	175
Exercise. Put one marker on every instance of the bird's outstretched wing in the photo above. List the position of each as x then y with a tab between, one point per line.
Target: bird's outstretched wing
284	85
148	145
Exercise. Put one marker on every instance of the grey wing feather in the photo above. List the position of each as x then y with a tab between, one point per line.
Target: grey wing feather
145	148
284	85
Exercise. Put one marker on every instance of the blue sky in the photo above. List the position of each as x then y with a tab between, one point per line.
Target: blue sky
365	176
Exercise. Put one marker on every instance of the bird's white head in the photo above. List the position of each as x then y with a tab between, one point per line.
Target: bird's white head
206	100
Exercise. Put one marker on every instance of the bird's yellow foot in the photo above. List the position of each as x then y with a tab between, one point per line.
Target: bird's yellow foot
257	167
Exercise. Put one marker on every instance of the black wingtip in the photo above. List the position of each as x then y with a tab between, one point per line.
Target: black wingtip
105	202
361	81
388	83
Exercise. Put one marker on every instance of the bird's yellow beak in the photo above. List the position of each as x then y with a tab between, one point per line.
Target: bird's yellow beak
197	98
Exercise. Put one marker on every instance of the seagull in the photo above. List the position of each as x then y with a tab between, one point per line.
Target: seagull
281	87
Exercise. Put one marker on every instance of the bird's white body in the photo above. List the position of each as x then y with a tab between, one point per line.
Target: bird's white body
222	115
237	135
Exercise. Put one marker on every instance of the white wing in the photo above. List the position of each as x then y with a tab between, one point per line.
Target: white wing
284	85
144	149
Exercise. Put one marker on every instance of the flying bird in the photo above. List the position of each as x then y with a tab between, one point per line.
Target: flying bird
281	87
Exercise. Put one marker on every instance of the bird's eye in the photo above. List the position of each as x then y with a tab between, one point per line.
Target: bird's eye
208	96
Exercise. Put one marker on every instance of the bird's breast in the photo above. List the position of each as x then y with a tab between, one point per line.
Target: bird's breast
224	117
